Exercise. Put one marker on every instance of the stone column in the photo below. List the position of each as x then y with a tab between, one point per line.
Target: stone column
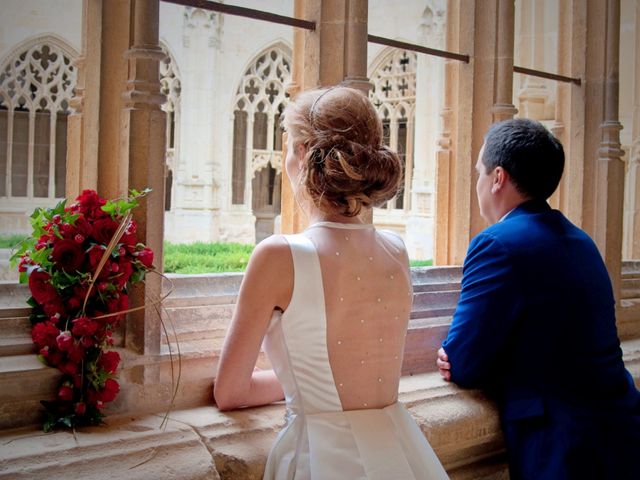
336	52
427	117
83	123
532	95
195	211
355	45
610	167
93	156
304	74
143	144
476	95
632	220
570	106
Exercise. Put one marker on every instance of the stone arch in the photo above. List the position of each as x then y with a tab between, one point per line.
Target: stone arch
257	135
37	78
393	76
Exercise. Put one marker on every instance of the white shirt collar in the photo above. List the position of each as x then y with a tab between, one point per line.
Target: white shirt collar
506	215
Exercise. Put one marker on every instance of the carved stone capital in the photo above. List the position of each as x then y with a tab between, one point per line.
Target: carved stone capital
199	19
262	158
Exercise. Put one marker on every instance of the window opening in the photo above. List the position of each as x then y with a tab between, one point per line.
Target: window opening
37	83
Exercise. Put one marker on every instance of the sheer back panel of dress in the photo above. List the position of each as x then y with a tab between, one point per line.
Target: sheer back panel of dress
368	295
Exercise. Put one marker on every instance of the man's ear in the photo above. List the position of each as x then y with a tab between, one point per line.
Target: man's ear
500	177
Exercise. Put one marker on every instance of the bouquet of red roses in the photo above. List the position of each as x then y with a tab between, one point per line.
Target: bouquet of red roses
78	263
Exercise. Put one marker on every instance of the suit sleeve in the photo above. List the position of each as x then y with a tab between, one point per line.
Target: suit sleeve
489	304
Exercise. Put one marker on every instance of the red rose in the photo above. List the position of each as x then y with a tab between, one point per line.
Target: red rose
83	227
84	326
65	393
124	302
95	255
69	368
24	262
89	201
132	227
74	303
109	392
109	362
104	229
80	291
54	358
64	341
130	240
126	269
112	305
54	308
76	352
68	255
44	334
67	230
146	257
80	408
41	288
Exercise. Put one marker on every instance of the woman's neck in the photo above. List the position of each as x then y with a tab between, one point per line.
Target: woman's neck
316	216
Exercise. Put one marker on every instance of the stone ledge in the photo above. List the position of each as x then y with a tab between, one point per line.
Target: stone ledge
136	449
203	442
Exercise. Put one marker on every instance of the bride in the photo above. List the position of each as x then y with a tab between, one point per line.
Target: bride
332	306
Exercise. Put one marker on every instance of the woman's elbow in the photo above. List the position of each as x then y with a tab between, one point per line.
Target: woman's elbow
225	400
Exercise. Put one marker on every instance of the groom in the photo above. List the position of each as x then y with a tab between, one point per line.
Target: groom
535	323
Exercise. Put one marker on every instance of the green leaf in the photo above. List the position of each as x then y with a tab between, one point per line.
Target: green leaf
67	421
48	424
59	208
41	257
109	208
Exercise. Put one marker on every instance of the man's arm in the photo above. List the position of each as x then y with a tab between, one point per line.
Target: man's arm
489	304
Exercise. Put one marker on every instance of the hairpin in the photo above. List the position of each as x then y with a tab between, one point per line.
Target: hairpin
315	102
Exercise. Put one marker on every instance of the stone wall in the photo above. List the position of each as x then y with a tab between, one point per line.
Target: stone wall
200	442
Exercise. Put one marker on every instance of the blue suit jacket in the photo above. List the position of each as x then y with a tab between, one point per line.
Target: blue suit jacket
535	327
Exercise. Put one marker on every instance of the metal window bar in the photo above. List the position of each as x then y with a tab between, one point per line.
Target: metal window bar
550	76
417	48
307	25
246	12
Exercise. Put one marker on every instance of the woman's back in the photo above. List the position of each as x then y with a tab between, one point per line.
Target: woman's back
367	296
337	351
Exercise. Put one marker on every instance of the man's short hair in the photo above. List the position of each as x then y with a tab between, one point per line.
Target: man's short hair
530	154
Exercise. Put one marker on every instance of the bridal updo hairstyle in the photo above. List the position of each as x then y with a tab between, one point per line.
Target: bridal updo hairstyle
346	166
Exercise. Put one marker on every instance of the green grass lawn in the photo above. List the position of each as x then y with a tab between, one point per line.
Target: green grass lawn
199	257
421	263
217	257
205	257
10	241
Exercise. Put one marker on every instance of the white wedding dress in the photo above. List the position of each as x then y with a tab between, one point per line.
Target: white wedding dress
347	308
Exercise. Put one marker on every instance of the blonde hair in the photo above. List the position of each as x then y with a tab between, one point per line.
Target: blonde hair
346	167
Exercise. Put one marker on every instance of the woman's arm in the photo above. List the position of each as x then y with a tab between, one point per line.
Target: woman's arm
267	285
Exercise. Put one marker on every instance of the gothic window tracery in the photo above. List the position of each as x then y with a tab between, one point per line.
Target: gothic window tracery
394	95
36	85
257	144
170	85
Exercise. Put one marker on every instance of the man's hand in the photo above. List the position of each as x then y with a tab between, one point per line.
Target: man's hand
443	364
